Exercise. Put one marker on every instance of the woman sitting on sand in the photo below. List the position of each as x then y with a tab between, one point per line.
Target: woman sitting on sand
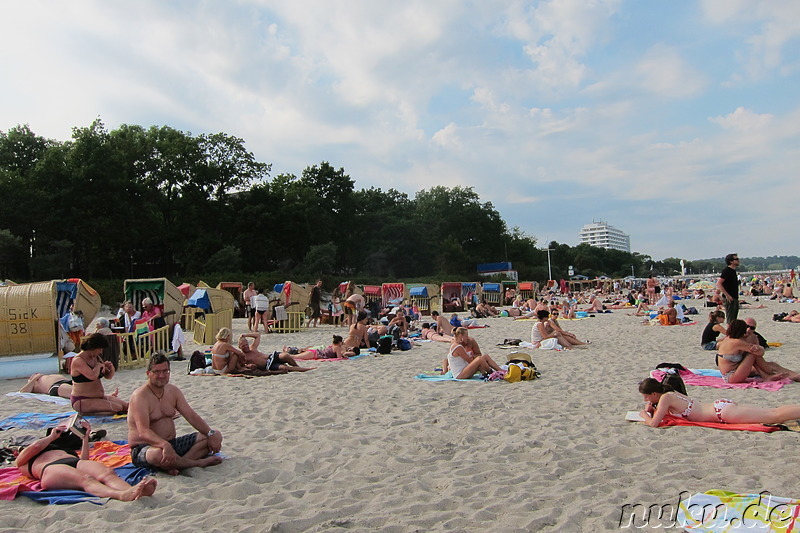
54	462
225	357
52	384
357	336
738	358
661	400
713	330
336	350
553	323
88	395
542	330
461	363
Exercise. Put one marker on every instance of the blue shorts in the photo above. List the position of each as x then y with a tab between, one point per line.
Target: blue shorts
181	445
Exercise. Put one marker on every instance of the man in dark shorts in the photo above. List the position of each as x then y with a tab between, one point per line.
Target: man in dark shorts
275	363
151	425
249	312
728	284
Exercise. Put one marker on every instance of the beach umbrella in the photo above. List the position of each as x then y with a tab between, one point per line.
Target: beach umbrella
704	285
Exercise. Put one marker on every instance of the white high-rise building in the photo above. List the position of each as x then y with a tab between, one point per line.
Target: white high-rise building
603	235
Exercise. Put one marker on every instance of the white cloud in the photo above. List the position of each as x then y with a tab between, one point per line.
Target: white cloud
664	72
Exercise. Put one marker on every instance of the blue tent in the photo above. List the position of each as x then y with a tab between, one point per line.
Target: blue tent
419	291
200	299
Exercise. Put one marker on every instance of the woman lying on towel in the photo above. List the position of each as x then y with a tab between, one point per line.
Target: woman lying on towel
335	350
54	461
463	363
661	400
431	335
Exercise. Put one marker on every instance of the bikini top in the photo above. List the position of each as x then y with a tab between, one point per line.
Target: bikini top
80	378
690	403
735	358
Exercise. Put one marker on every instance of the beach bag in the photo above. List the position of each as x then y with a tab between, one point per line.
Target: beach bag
197	360
404	344
385	344
674	380
75	322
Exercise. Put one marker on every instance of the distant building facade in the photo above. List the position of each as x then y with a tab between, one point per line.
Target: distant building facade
602	235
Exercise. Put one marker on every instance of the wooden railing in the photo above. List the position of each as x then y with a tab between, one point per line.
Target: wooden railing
135	350
206	326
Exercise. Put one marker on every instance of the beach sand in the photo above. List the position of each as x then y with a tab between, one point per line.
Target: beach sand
361	445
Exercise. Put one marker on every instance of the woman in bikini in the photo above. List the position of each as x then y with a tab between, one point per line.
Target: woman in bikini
53	461
52	384
739	359
357	337
88	395
661	400
335	350
225	357
461	362
430	334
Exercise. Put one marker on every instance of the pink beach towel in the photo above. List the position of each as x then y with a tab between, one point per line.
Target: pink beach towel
707	381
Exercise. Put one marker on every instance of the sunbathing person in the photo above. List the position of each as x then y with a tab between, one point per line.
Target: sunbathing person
335	350
400	321
52	384
54	462
431	335
662	400
739	359
571	337
714	329
543	330
793	316
484	310
357	337
225	357
461	363
276	363
88	395
443	327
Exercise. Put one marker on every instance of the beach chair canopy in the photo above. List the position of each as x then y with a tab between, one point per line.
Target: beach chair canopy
392	293
66	292
525	286
419	291
491	287
278	288
200	299
186	289
372	290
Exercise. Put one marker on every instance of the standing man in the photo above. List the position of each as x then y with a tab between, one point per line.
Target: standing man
315	302
151	425
728	285
248	306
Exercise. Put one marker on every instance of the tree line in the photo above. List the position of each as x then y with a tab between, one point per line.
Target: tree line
143	202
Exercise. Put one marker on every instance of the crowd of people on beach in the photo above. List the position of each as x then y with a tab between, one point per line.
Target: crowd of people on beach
60	460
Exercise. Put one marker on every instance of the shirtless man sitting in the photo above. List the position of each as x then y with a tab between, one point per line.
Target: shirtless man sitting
276	363
672	314
151	425
443	327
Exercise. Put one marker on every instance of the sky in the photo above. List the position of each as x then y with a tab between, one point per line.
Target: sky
676	122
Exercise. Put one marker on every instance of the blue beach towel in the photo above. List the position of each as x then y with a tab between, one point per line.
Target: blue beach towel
131	474
41	420
445	377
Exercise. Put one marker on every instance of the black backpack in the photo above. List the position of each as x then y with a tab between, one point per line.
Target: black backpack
197	360
385	344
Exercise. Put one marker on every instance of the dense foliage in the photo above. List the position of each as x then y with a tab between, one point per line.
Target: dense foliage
136	202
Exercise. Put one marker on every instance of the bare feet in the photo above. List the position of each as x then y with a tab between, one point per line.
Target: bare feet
211	460
133	493
150	485
778	376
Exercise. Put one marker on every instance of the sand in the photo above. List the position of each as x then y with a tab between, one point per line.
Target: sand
363	446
